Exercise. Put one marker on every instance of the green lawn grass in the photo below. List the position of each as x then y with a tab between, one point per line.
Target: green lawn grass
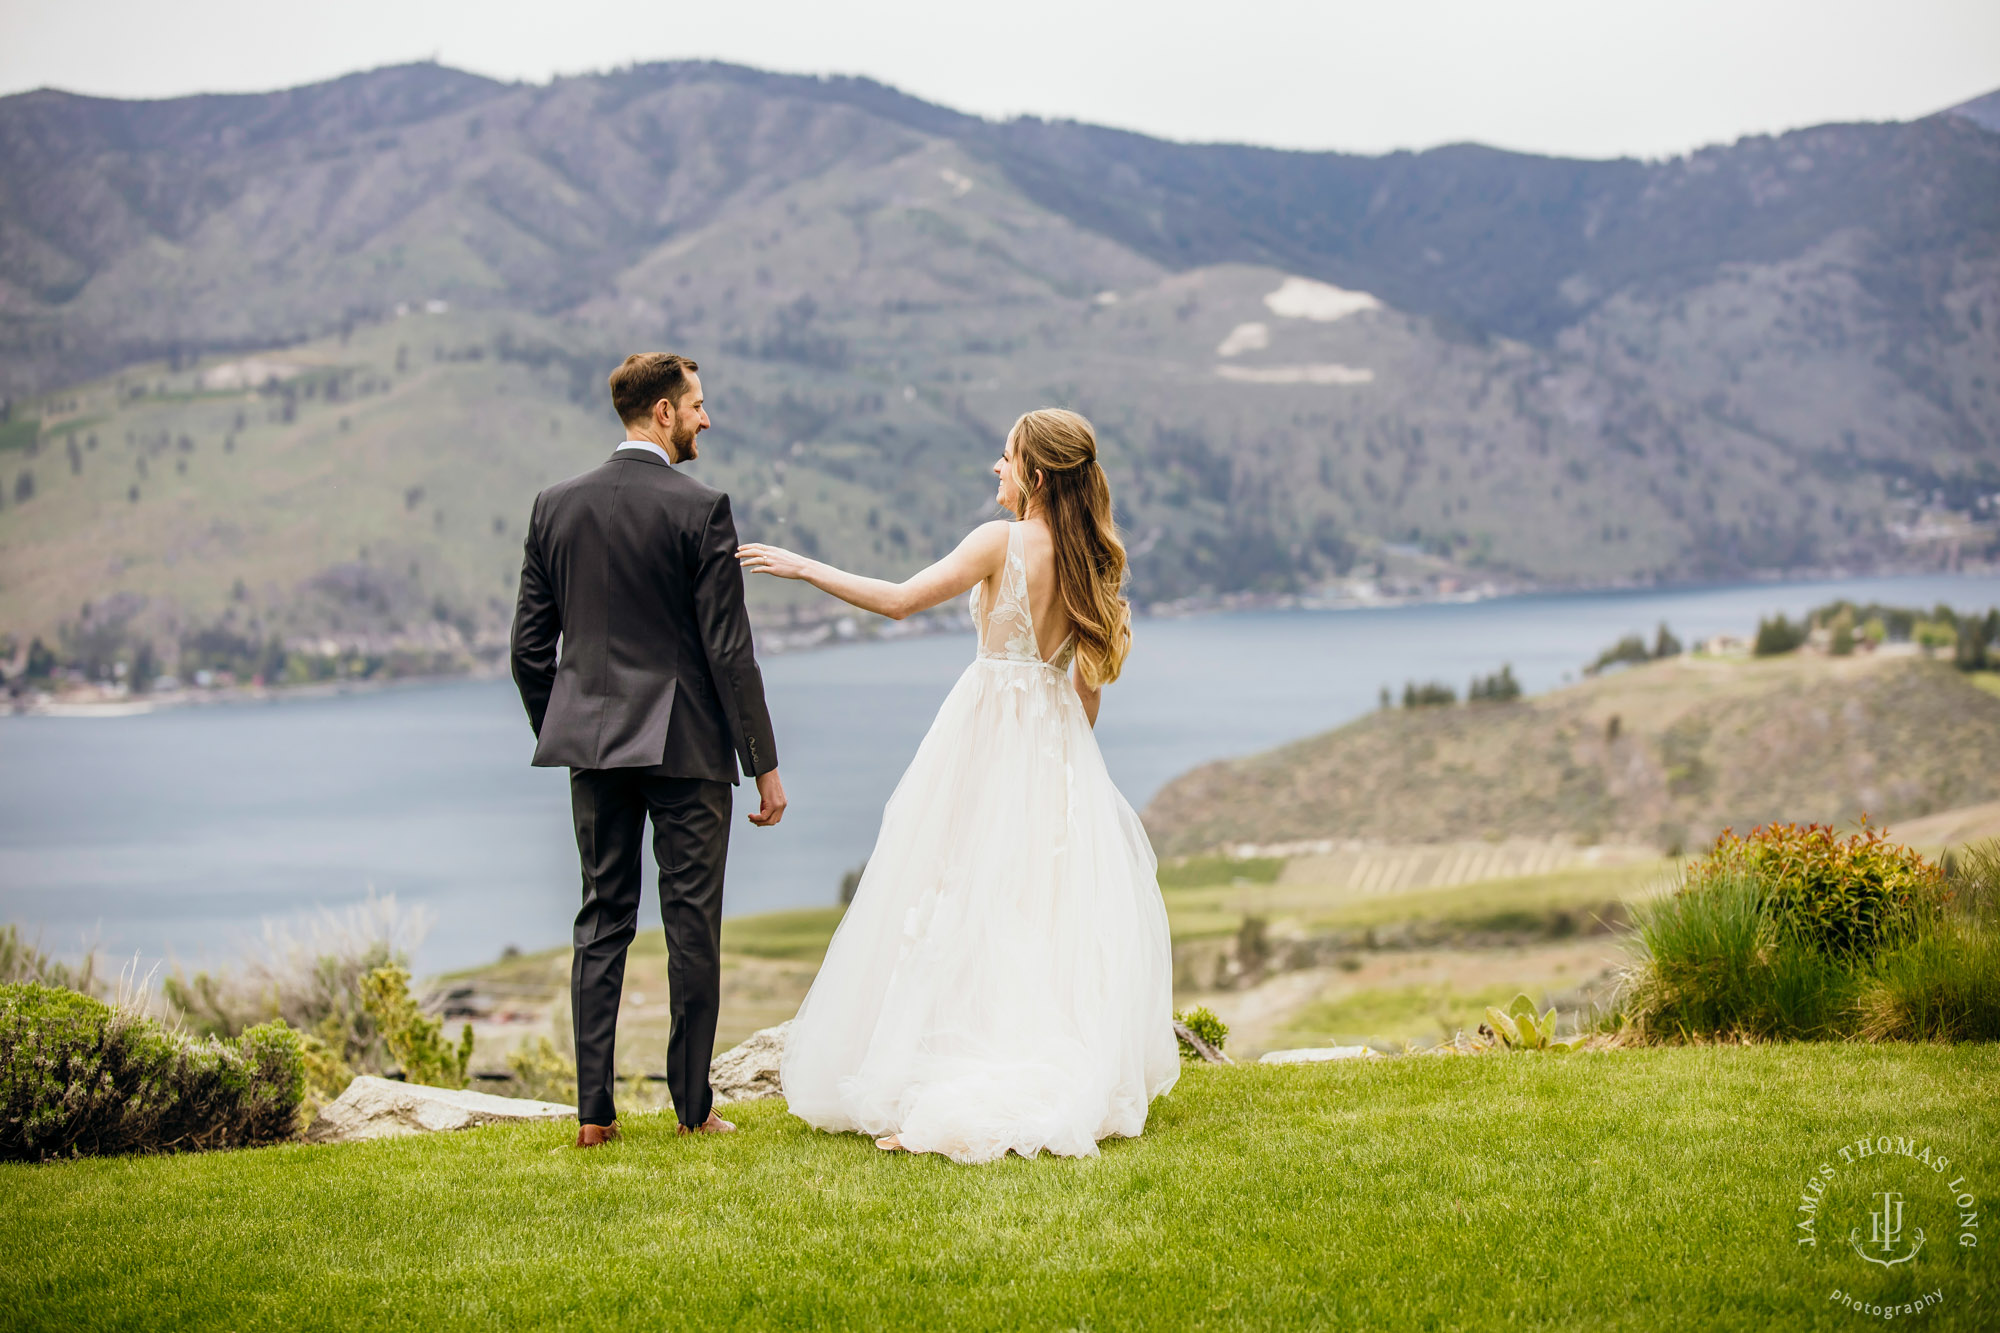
1642	1189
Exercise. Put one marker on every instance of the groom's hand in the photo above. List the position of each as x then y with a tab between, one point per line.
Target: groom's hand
770	800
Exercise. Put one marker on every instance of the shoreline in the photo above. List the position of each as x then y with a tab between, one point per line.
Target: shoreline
844	630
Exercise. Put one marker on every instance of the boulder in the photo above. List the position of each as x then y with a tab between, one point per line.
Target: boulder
381	1108
1313	1054
749	1072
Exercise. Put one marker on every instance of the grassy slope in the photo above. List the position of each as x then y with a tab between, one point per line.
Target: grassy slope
1699	744
1489	904
1640	1189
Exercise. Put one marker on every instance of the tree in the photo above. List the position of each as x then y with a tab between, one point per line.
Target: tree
24	486
1432	694
1498	688
1665	644
1971	653
1630	649
1778	635
850	881
1843	633
41	662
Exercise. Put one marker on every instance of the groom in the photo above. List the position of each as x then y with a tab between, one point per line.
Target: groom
654	700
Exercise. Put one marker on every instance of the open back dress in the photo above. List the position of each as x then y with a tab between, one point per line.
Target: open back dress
1003	980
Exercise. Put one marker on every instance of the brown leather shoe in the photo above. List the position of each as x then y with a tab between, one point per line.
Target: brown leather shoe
715	1124
591	1136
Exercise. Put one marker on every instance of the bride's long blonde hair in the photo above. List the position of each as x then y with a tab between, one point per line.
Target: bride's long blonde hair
1073	497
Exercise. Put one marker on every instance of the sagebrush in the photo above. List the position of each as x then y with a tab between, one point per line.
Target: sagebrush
79	1077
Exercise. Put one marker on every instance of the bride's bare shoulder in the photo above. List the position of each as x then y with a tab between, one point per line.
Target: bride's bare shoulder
988	539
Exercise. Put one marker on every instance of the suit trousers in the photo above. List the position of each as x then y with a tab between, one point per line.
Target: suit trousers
690	843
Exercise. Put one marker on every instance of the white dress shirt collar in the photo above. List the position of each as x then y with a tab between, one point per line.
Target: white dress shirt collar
647	444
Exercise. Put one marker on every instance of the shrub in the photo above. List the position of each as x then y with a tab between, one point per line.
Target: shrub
1844	896
80	1077
414	1039
1795	932
1204	1024
544	1073
1933	635
327	1074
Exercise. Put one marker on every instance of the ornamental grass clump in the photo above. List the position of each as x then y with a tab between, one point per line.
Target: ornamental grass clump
79	1077
1798	933
1944	985
1716	964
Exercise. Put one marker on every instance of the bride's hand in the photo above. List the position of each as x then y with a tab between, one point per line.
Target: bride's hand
774	560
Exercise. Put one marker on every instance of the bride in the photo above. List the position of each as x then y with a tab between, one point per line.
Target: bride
1004	978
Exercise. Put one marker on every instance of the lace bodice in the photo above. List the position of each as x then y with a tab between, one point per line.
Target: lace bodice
1007	632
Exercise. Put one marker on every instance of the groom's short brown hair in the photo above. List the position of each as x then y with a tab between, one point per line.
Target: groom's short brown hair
646	378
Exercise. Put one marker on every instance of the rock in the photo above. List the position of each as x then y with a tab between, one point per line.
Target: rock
1314	1054
749	1072
381	1108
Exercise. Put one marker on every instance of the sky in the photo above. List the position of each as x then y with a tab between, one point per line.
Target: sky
1579	78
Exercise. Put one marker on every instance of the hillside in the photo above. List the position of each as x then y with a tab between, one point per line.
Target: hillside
1460	365
1666	754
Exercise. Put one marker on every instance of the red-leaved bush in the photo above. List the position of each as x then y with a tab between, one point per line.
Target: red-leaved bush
1846	896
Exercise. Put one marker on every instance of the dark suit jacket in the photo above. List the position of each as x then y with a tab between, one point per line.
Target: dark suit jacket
633	566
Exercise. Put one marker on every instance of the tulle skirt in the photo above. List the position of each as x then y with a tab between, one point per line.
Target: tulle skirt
1003	980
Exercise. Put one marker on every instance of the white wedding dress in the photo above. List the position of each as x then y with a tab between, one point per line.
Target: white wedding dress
1003	980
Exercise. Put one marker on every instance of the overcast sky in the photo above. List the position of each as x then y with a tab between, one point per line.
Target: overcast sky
1595	78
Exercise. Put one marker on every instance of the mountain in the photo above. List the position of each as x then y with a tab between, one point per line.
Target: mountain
1981	111
1667	754
261	347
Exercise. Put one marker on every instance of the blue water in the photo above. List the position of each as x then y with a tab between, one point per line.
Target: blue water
175	833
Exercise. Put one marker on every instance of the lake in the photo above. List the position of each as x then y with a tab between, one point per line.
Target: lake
174	834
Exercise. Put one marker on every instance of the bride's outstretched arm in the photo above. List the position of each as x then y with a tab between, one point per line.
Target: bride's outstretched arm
975	560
